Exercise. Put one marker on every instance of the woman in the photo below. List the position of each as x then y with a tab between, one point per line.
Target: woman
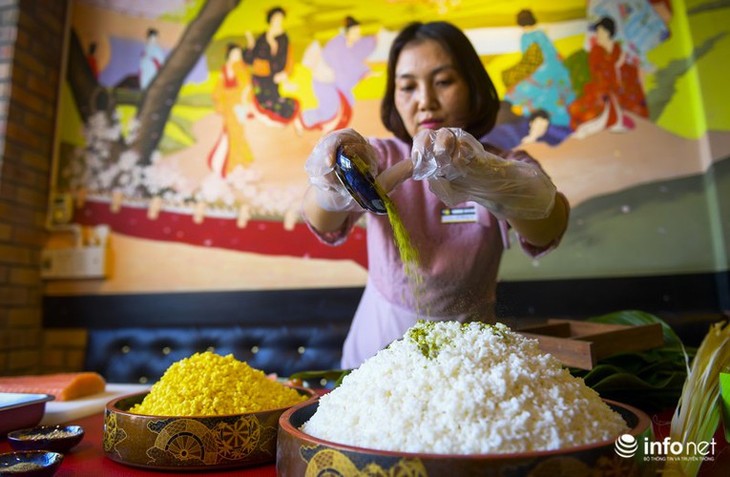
270	64
336	70
152	59
614	87
231	149
438	99
539	80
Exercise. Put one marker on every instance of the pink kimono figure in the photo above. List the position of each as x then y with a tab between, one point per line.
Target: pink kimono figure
336	70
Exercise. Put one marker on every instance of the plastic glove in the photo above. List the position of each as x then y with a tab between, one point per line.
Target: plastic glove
459	169
330	193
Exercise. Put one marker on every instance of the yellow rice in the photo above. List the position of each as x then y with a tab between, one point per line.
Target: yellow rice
208	384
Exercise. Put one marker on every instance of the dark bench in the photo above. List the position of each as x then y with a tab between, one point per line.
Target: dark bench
133	355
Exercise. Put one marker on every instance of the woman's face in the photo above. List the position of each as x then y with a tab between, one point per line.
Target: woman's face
353	34
603	36
235	55
276	24
429	92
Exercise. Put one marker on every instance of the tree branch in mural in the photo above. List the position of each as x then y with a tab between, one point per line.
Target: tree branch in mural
97	105
159	97
84	85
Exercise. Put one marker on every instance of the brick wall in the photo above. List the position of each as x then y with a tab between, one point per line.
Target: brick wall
31	43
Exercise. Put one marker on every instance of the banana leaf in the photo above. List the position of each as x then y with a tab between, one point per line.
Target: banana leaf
651	380
334	376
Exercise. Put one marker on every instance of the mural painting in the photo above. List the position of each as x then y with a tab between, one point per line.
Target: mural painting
184	125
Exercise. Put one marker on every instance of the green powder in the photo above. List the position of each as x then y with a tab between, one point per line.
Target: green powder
408	253
429	340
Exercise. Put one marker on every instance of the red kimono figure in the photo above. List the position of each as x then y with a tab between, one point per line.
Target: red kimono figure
614	87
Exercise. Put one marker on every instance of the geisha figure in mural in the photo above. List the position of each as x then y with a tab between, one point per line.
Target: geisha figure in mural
336	70
536	128
231	149
270	61
641	25
539	81
614	87
152	59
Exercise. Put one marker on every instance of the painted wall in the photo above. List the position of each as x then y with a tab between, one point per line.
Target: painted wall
708	27
196	163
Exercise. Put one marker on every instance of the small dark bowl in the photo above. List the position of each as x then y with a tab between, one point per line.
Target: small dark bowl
30	463
359	182
50	438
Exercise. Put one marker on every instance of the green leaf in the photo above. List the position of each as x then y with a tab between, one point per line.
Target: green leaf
334	375
636	318
650	379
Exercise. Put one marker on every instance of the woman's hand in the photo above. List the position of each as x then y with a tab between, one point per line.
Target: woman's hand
327	203
331	195
445	152
459	169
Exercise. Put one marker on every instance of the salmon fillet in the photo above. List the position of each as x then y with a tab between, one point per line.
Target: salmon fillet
64	386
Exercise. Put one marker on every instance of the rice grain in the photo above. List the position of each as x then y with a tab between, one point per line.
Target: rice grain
208	384
452	388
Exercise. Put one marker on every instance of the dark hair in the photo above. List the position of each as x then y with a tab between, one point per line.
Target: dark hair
350	22
539	113
230	47
607	23
274	11
526	18
483	96
152	32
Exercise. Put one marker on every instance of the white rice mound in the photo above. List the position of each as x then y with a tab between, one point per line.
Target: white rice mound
452	388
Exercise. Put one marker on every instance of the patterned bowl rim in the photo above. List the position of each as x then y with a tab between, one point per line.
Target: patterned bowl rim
642	425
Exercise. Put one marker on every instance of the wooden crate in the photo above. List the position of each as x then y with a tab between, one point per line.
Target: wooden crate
580	344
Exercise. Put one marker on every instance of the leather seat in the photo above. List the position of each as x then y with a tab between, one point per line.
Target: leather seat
141	355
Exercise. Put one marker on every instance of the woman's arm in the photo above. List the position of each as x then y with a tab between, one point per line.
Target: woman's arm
544	232
323	221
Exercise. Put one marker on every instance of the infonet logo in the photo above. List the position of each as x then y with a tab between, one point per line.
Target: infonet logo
627	446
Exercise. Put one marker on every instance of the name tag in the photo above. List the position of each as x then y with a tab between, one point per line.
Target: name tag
459	215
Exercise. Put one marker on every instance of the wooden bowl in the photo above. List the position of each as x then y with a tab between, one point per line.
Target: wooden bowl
302	454
190	443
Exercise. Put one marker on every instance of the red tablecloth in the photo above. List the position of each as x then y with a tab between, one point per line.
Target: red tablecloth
88	459
719	467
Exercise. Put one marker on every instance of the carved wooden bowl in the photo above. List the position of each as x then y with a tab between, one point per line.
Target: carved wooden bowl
302	454
185	443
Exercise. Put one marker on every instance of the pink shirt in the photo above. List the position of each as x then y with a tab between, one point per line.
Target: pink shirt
458	264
